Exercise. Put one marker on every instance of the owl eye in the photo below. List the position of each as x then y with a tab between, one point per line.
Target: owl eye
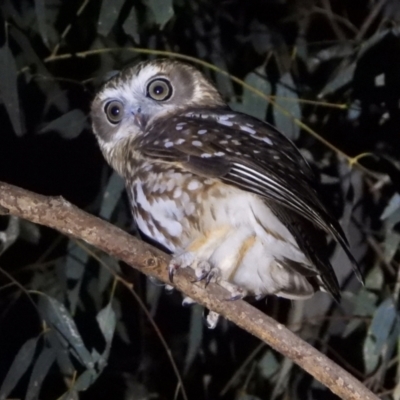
159	89
114	111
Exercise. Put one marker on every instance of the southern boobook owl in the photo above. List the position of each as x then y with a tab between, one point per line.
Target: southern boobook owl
226	193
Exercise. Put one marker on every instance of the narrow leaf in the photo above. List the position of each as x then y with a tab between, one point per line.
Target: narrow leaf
112	194
131	27
85	380
287	98
40	11
109	13
21	363
195	336
162	11
69	125
107	321
252	103
9	89
39	372
74	271
58	317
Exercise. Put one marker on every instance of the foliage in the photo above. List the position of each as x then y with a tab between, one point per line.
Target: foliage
324	72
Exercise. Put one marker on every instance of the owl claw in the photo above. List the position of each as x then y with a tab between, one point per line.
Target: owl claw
202	270
182	261
172	271
211	319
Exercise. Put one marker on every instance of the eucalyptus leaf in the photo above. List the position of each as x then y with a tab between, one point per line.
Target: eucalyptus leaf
162	10
195	336
20	365
74	271
112	194
40	10
287	99
109	13
58	317
9	89
39	373
69	125
131	27
252	103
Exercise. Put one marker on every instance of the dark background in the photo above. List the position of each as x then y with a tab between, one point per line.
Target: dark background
338	62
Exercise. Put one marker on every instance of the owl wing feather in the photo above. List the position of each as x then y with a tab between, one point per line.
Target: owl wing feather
247	153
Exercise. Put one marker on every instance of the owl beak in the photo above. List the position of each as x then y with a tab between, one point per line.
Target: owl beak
139	118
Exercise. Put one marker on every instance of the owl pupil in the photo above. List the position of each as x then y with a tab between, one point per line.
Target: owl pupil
115	111
158	90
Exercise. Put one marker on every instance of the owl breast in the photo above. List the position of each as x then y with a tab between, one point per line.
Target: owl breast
233	230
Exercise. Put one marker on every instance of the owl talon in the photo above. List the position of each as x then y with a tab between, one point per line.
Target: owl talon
182	261
211	319
172	271
202	270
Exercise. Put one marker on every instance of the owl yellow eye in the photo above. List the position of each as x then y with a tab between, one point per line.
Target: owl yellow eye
159	89
114	111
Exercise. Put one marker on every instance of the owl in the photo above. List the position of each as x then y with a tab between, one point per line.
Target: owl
227	194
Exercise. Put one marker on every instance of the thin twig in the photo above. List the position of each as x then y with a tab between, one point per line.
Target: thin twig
58	214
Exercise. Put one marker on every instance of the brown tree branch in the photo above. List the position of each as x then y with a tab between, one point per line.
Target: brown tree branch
57	213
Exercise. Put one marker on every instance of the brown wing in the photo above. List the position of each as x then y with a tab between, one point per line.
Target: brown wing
245	152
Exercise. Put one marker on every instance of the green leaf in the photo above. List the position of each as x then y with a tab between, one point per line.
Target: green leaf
109	13
9	89
131	27
112	194
74	271
69	125
107	320
162	11
21	363
58	317
268	364
287	98
382	331
392	210
252	103
195	335
40	11
39	372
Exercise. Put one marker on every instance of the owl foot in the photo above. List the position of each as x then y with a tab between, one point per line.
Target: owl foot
182	261
211	319
236	292
187	301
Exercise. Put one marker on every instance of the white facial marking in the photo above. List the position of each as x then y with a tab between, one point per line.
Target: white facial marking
179	127
267	140
206	155
180	141
219	153
168	144
202	131
197	143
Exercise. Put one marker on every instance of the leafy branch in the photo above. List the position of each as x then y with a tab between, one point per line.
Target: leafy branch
57	213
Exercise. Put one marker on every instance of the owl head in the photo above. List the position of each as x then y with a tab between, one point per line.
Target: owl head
137	96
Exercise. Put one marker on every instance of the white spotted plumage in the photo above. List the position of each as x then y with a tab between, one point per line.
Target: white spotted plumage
219	188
